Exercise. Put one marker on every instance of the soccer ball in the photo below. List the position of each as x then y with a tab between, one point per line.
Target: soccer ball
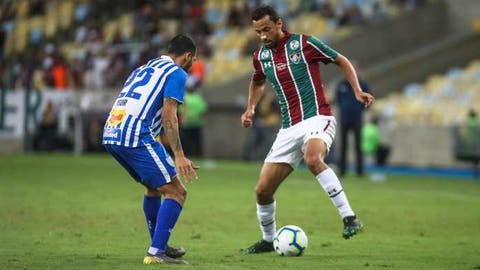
290	240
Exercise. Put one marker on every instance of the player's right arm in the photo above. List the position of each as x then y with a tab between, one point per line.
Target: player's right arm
255	92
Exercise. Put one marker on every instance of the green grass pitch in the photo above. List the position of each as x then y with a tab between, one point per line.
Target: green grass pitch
64	212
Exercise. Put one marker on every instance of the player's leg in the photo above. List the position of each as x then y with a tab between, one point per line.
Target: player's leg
159	176
315	152
271	176
151	207
151	167
168	213
317	141
283	158
151	199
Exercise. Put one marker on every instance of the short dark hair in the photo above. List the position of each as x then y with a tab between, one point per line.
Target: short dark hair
181	44
263	11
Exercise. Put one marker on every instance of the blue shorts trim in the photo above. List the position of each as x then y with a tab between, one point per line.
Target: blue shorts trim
149	163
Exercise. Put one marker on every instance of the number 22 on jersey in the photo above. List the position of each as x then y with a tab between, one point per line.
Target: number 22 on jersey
139	77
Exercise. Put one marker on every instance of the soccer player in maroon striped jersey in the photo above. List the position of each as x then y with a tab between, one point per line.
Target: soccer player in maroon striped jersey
291	63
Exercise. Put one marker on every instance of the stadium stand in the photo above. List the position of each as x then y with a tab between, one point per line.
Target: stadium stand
443	100
35	36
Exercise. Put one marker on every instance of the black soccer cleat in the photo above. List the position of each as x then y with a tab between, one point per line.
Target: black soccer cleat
174	252
352	225
259	247
161	259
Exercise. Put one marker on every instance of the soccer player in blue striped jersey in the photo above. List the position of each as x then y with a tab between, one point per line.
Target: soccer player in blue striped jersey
147	104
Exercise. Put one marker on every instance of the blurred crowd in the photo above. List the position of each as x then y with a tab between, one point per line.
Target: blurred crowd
96	61
97	43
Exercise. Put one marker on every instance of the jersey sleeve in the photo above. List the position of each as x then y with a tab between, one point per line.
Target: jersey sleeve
258	74
316	50
175	85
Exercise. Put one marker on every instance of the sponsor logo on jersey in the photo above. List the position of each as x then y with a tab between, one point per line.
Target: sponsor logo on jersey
265	54
294	45
267	65
111	134
116	117
281	66
121	102
295	57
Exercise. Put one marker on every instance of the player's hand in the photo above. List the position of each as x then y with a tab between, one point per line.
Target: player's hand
365	98
187	169
247	117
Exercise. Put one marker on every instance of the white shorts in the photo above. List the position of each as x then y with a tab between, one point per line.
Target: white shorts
290	143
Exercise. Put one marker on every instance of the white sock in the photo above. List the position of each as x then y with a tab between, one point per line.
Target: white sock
266	219
153	250
330	183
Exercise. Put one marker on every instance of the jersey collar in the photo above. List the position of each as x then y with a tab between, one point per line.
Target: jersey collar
166	57
283	40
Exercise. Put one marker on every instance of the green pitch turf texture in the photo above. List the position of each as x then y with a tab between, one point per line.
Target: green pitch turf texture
64	212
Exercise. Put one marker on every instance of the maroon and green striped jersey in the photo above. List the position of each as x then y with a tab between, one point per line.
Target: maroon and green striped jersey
293	69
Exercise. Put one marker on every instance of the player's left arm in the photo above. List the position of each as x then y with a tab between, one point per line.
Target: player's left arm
347	68
170	125
171	129
174	91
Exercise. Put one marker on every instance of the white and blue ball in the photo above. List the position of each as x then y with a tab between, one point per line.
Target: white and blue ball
290	240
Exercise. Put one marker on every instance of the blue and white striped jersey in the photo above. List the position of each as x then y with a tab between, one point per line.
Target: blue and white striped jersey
136	115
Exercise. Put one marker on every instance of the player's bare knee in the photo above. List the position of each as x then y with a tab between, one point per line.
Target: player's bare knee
183	193
312	161
149	192
264	195
315	163
177	196
179	193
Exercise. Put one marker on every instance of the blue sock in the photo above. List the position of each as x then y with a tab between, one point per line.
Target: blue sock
150	208
166	219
